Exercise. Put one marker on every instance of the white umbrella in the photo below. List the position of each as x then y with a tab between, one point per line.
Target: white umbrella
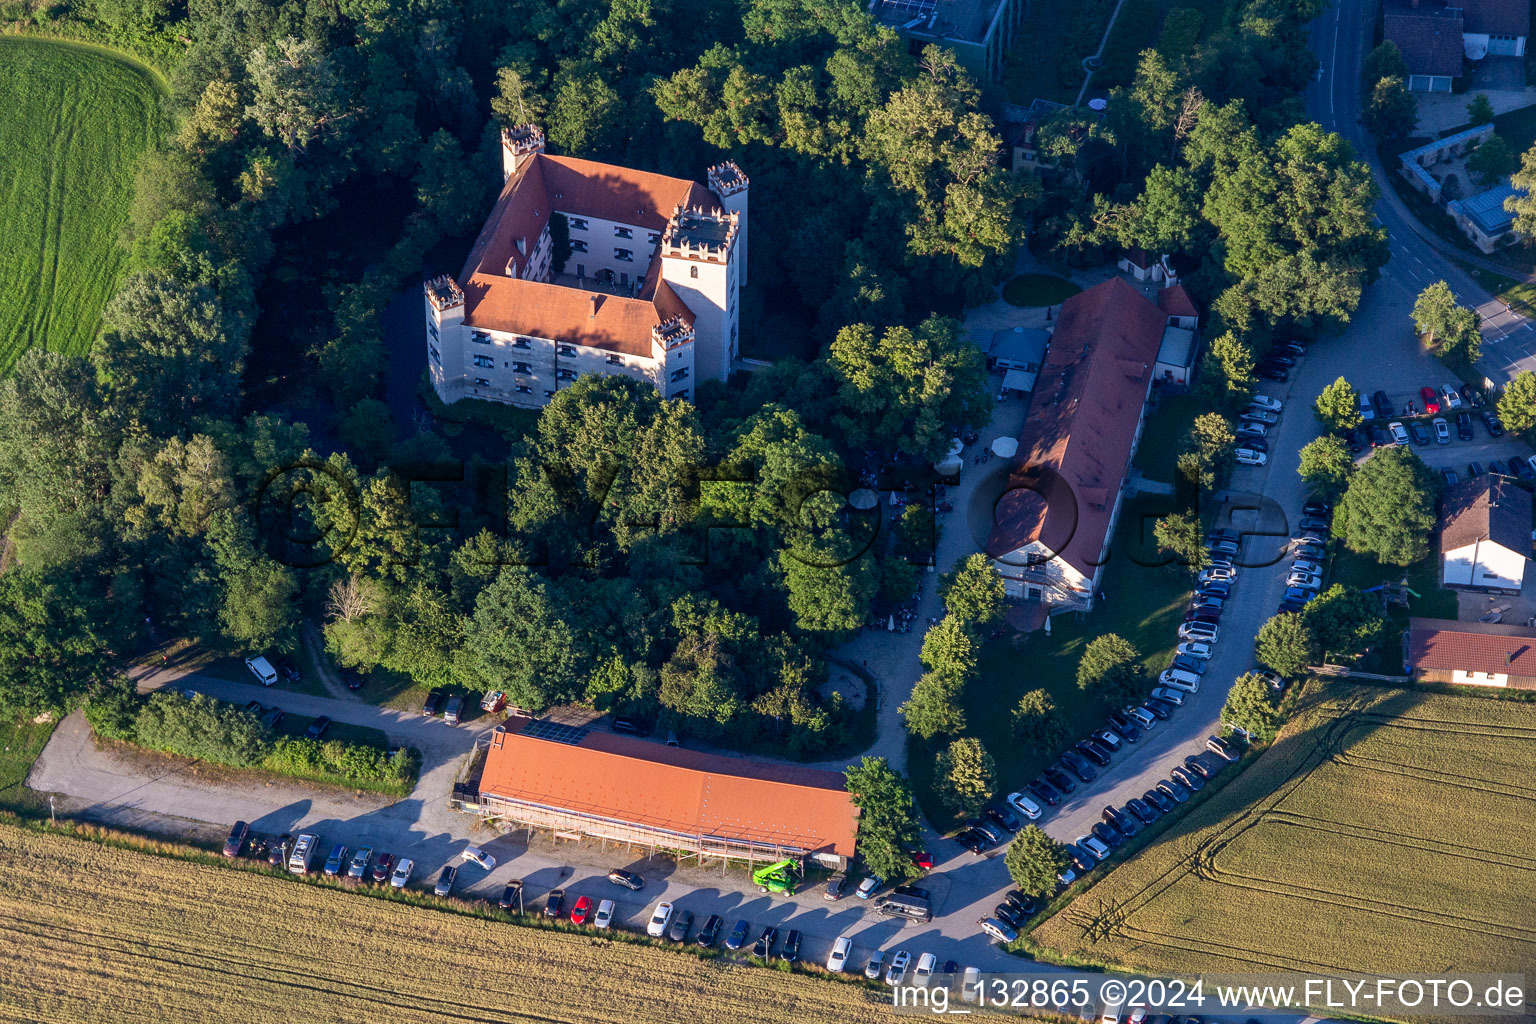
1005	447
890	624
863	498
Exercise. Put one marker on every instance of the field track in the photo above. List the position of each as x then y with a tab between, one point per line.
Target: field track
1385	831
73	120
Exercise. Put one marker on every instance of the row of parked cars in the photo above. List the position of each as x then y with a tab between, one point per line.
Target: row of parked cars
1253	427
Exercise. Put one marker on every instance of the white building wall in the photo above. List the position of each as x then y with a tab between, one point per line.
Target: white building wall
1456	570
601	240
526	371
1484	564
708	288
1480	678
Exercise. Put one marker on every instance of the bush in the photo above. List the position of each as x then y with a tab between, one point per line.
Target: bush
201	727
334	760
113	708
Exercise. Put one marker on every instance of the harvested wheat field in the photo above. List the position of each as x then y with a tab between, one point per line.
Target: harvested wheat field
1387	831
93	933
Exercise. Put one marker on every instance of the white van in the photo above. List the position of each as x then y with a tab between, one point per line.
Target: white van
262	669
302	855
1180	680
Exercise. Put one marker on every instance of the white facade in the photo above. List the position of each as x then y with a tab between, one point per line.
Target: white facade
502	349
1484	564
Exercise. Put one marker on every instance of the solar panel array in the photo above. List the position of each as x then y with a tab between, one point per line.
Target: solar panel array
557	732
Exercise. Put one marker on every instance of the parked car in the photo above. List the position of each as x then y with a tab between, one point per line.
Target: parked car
1442	430
1173	791
1195	764
1223	575
1464	426
1079	766
837	887
970	985
1280	357
1190	780
1124	727
1475	470
1162	801
1303	580
738	936
237	835
628	879
1207	632
1518	467
1430	399
1171	696
402	873
1003	818
876	965
681	925
478	856
1399	432
512	897
554	902
603	918
998	930
1158	709
582	911
1108	739
1108	835
923	859
288	670
710	932
897	972
317	727
923	973
869	886
1449	398
1221	748
1059	779
1271	370
838	958
273	718
1093	752
1021	901
1006	913
1144	811
1024	805
1421	434
1251	428
359	866
1141	716
1493	423
445	879
383	864
433	703
1266	403
453	710
1367	411
262	669
1097	847
763	947
1263	416
1044	792
338	858
1383	404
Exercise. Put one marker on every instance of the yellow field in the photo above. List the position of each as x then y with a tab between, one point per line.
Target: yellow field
1386	831
92	933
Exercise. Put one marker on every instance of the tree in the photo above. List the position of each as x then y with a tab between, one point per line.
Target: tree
1447	328
112	709
1390	111
1345	622
908	388
1480	110
1388	509
586	116
1517	405
949	648
1110	669
1383	62
1492	161
368	431
1523	203
1338	406
1250	708
934	706
1181	534
973	591
1034	860
516	101
54	640
519	641
1038	722
1285	644
888	828
1227	376
1325	465
297	94
968	776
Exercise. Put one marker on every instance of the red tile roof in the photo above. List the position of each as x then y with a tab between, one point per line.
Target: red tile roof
1497	17
1175	301
1428	36
682	791
1076	442
1486	508
498	302
1491	647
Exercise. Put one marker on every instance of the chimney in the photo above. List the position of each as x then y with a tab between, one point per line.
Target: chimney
593	314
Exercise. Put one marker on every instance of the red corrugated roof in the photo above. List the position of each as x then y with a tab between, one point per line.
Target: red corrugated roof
1491	647
1175	301
682	791
1076	442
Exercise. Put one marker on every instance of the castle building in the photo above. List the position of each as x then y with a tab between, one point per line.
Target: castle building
649	289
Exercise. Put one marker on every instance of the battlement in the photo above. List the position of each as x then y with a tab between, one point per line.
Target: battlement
698	234
443	293
726	179
672	332
522	139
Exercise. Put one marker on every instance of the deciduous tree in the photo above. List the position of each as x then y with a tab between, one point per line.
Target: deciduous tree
1517	405
1250	708
1285	644
968	775
888	827
1110	668
1034	860
973	591
1325	465
1038	722
1338	406
1388	509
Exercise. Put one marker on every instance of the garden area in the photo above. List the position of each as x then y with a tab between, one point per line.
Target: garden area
1144	605
1033	290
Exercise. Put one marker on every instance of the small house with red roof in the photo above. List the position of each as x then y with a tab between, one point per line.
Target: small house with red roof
1471	653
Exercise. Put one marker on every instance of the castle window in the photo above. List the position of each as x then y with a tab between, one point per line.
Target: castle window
693	271
524	389
623	233
549	394
578	245
520	343
623	255
485	362
432	330
566	350
683	394
436	356
522	367
615	360
578	223
654	237
567	375
681	373
482	382
479	337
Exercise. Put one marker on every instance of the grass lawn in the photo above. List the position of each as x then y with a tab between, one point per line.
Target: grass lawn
1145	605
1381	818
21	741
72	124
1162	439
1038	290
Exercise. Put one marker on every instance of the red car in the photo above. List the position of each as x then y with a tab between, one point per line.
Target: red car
582	910
922	860
383	866
1431	400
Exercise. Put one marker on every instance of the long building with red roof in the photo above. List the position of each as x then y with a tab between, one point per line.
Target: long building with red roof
648	287
587	783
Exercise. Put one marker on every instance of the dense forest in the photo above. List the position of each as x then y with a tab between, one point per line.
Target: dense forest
223	468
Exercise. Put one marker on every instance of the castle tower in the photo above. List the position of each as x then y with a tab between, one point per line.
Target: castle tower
445	325
729	185
672	348
518	145
700	260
